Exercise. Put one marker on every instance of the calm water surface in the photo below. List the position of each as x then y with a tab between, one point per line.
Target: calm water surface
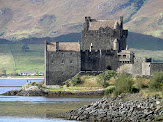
36	109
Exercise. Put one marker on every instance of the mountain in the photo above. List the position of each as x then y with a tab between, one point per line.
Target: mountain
51	18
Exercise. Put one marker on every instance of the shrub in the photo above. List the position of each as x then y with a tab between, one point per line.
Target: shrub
109	74
140	83
103	77
67	83
76	80
33	83
124	83
135	90
37	84
109	91
102	80
156	82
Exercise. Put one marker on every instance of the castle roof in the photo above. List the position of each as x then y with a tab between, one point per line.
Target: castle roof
64	46
96	24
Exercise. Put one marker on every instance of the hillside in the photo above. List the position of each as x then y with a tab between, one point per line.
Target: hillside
50	18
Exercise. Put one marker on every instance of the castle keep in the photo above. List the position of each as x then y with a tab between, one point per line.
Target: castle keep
102	46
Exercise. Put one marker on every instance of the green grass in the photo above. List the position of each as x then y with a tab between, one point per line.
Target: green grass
6	59
74	89
13	58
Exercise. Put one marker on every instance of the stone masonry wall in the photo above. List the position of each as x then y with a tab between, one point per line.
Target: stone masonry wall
61	65
156	67
101	39
98	60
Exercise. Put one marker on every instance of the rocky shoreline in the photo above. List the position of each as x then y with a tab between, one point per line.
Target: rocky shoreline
134	108
124	108
28	90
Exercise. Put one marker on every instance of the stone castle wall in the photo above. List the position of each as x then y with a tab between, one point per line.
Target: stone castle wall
156	67
141	67
100	40
99	60
61	66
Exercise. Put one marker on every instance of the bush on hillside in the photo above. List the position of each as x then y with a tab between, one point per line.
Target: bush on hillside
109	90
140	83
76	80
123	84
110	73
103	77
67	83
156	82
37	84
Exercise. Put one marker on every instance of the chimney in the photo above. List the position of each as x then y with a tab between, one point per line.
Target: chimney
87	20
57	46
121	22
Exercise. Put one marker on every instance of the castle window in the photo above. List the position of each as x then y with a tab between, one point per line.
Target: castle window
62	54
52	61
71	62
62	61
124	56
62	73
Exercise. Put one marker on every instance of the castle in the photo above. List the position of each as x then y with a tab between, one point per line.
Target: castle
103	46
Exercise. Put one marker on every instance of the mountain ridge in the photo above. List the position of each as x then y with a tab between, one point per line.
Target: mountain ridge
52	18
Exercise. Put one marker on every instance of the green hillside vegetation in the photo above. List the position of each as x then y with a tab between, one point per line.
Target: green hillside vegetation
114	84
156	55
14	60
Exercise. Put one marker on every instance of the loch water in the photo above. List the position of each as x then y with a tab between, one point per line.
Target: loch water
35	108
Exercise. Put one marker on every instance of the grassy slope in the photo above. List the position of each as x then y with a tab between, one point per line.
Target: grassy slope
6	59
90	83
13	59
32	60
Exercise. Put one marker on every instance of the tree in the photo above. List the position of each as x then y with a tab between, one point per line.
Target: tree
123	84
25	48
106	76
76	80
4	72
156	82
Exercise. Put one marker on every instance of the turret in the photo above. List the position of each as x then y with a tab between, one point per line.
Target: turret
116	25
121	22
86	25
116	45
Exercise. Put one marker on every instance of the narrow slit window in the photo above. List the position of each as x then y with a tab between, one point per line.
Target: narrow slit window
62	61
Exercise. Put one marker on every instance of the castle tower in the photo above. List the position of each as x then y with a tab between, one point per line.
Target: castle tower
116	25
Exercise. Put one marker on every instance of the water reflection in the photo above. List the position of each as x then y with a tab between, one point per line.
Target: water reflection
18	119
35	108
